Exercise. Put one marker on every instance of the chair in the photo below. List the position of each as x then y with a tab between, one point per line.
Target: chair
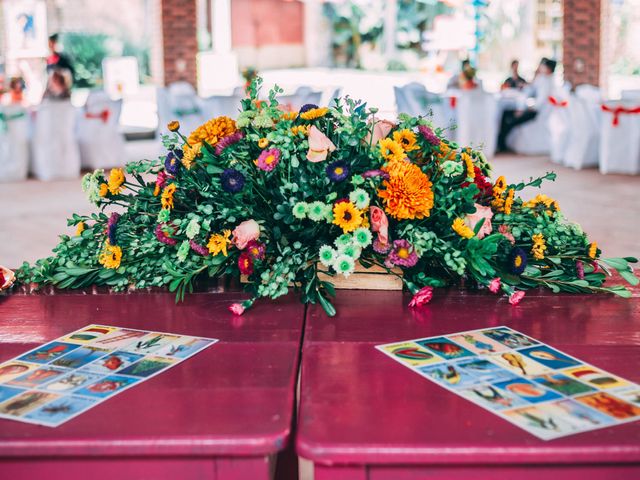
559	122
583	143
630	94
475	109
180	102
55	149
414	99
100	141
620	138
14	144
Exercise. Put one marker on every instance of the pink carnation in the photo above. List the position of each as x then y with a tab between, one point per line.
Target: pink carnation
494	285
516	297
236	308
504	230
319	145
268	159
422	297
379	223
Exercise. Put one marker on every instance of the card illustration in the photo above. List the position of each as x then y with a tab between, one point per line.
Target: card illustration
13	369
596	377
60	409
113	362
25	402
411	353
492	397
8	392
80	356
72	381
610	405
119	338
484	370
148	366
509	338
449	374
48	352
184	347
151	342
549	357
107	386
89	334
476	342
631	395
37	377
528	390
563	384
444	347
517	363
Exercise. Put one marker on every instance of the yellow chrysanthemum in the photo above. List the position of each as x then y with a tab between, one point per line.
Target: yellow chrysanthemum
303	129
173	126
218	243
116	179
167	196
500	186
263	142
314	113
347	216
104	190
212	131
80	228
593	250
111	256
466	158
549	203
407	139
391	150
189	154
461	228
508	202
539	246
289	115
407	192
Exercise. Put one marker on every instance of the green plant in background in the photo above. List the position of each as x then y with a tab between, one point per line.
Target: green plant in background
415	18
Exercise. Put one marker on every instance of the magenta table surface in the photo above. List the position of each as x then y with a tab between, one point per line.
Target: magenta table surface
364	412
234	399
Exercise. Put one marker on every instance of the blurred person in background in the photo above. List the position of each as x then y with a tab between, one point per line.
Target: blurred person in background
58	85
514	81
466	79
15	94
57	59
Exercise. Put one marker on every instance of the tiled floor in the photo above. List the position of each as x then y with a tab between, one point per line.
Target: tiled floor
33	214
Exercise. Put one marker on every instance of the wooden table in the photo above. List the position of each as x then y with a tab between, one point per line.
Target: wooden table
222	414
365	416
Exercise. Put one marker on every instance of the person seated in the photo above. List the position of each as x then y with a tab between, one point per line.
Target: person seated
58	85
540	88
514	81
465	80
15	94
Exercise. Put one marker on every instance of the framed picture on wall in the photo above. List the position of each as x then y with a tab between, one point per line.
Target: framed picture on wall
25	22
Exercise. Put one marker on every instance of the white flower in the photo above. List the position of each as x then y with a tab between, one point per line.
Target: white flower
360	198
327	255
344	265
362	237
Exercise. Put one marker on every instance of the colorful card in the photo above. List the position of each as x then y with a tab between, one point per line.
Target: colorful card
532	385
54	382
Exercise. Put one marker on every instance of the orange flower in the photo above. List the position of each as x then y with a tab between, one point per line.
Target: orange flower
212	131
407	193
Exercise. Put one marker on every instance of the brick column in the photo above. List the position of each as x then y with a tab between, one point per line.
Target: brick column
582	41
179	41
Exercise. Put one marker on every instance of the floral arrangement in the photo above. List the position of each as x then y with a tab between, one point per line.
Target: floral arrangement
281	196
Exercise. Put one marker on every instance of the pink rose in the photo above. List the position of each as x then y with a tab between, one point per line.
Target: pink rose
494	285
504	230
236	308
380	130
516	297
473	219
245	232
423	297
379	223
319	145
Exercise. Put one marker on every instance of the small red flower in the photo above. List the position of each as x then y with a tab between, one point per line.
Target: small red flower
255	249
236	308
423	297
516	297
494	285
245	263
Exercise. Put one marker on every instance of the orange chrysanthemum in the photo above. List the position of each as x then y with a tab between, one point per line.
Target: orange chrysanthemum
407	193
212	131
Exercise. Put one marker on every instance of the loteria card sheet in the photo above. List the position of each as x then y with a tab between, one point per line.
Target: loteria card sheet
534	386
54	382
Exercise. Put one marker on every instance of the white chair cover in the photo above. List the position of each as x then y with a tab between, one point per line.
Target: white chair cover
414	99
583	144
559	127
100	141
620	140
475	112
180	102
14	144
54	146
630	94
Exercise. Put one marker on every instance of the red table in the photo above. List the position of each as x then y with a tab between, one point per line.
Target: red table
365	416
224	413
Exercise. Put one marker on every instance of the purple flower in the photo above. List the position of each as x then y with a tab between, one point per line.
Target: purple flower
163	235
268	159
337	171
306	107
580	270
172	162
229	140
111	227
232	180
199	249
375	173
402	254
517	260
428	135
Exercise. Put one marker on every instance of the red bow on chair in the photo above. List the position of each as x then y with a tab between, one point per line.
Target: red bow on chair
617	111
103	115
557	103
453	101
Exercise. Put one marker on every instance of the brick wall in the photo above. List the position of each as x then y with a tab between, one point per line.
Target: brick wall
582	41
179	40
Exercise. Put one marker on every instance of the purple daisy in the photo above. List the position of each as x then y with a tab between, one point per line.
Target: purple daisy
428	135
232	180
111	228
268	159
307	106
402	254
337	171
229	140
163	235
172	162
199	249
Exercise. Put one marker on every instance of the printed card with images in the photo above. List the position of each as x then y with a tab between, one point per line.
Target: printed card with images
61	379
532	385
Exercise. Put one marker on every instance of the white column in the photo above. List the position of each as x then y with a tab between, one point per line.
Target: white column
221	25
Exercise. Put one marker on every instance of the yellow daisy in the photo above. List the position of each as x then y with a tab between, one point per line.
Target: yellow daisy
218	243
391	150
116	179
110	256
314	113
347	216
461	228
407	139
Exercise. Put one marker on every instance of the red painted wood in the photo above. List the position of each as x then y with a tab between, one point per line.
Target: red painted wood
359	407
234	399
